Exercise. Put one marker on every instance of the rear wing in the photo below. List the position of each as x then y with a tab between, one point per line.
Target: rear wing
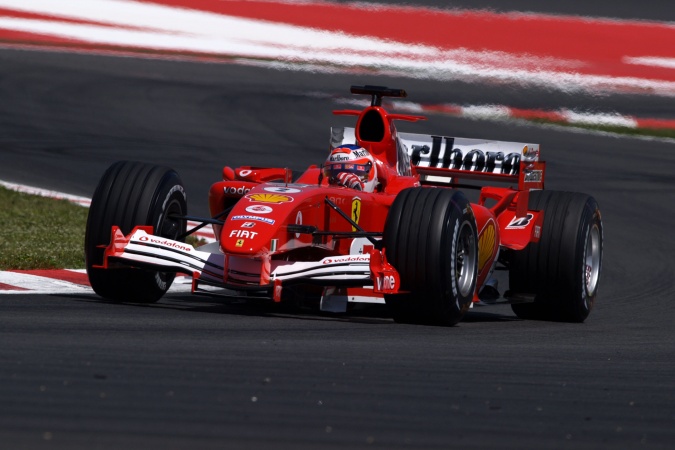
444	160
451	160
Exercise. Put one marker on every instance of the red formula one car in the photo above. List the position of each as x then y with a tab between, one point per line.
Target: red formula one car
384	220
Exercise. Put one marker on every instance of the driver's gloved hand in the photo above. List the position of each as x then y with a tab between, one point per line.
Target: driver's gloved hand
350	180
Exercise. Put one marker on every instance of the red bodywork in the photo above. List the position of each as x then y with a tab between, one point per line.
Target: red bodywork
256	237
276	232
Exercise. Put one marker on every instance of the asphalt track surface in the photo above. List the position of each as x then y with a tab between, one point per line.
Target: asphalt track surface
199	372
658	10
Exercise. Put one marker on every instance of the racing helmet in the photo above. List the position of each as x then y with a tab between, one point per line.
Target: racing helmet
347	161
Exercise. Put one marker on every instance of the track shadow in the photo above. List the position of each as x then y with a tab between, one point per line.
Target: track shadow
475	317
256	307
244	306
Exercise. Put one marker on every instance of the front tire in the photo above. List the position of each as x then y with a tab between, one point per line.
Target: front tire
563	269
430	238
129	194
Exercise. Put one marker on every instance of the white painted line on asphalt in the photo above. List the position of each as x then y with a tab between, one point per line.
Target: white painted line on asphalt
171	29
83	201
34	284
599	119
27	283
656	61
505	112
486	111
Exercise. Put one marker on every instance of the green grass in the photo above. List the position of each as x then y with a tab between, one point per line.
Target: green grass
43	233
40	233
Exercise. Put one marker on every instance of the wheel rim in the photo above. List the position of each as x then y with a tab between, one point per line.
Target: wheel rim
171	228
466	260
592	260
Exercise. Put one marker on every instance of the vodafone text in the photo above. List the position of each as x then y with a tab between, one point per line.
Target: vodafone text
386	283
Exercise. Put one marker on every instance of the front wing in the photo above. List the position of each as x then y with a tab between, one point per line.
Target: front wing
142	249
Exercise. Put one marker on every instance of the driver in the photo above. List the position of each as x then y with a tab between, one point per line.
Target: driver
351	166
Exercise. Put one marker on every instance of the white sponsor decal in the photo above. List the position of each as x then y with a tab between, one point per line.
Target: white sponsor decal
244	173
239	191
346	259
166	243
243	233
338	158
520	222
259	219
386	282
259	209
282	190
248	224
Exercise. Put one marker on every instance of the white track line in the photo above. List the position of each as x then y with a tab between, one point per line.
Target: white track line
26	283
34	284
170	29
82	201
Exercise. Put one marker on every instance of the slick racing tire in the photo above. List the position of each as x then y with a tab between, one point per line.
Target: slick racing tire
430	238
130	194
562	270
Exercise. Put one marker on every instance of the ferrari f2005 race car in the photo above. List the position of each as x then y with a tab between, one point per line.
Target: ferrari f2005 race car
393	226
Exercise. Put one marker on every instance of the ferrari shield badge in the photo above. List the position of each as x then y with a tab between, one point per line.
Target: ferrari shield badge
356	211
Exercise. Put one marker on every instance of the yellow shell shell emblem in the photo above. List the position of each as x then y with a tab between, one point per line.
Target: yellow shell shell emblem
269	198
486	243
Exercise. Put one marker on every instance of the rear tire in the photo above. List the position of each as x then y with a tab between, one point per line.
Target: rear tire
563	269
130	194
430	238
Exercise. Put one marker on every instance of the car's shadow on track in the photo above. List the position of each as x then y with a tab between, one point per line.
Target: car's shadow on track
476	316
243	306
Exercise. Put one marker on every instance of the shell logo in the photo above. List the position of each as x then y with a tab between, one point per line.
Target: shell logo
486	242
269	198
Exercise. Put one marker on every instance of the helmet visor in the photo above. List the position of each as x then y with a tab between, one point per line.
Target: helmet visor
332	170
